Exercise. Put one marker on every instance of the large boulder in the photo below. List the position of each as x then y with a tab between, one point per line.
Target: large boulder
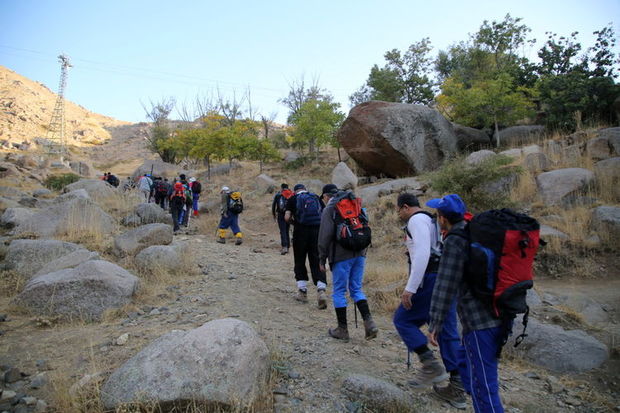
313	185
83	168
371	193
222	362
343	177
84	292
96	188
71	260
470	139
599	148
150	213
16	216
166	258
28	256
265	184
519	135
135	240
376	395
397	139
609	168
536	162
555	187
559	350
613	138
606	221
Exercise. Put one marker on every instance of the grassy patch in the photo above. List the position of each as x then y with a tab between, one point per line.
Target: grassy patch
57	182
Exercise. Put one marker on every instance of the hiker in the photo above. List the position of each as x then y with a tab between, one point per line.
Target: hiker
112	180
161	192
196	188
347	265
278	208
177	203
144	185
189	196
422	238
481	330
129	184
231	207
304	210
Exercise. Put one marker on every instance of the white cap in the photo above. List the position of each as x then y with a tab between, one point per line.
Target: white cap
225	189
192	179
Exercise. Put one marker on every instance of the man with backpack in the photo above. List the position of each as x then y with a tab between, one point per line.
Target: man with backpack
304	210
231	207
113	180
422	238
196	188
278	208
144	185
161	192
341	218
177	203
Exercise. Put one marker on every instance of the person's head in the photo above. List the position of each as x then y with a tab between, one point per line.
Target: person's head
329	191
182	176
450	210
406	205
299	187
225	189
192	179
284	186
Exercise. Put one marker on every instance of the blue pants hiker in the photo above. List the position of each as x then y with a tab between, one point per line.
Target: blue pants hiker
480	375
231	221
195	201
348	274
408	323
285	238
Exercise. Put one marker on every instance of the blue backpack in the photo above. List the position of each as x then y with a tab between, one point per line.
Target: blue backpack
308	209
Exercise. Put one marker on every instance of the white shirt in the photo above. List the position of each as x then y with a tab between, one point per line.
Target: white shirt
422	231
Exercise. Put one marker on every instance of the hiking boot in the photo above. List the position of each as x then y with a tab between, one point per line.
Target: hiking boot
322	299
431	372
239	241
283	251
221	240
453	394
371	329
339	333
302	295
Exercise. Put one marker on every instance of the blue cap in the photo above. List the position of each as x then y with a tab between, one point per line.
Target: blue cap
449	205
298	187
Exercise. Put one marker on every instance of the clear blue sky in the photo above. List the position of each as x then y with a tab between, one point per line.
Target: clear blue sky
127	51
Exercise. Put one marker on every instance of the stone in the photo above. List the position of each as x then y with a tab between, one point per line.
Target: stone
135	240
572	153
606	221
519	135
71	260
599	148
555	186
470	139
12	375
28	256
75	194
38	381
371	193
609	168
478	157
613	138
16	216
501	185
41	192
164	169
265	184
84	292
533	299
122	339
83	168
150	213
132	220
42	364
397	139
96	188
559	350
343	177
536	162
291	156
41	406
313	185
376	395
28	202
527	150
513	153
224	361
547	232
164	258
86	384
29	400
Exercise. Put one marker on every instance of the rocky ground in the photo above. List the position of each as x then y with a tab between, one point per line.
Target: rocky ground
254	283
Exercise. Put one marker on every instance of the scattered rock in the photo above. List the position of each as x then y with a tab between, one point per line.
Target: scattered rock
41	193
513	153
135	240
265	184
555	186
606	221
599	148
478	157
370	194
12	375
122	340
160	257
536	162
71	260
376	395
152	213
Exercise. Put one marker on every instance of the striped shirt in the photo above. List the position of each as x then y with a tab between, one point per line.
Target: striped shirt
450	285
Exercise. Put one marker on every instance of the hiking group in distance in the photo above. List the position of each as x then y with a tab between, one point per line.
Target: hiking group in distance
479	267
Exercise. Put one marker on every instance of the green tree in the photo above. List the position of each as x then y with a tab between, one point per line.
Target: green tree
316	123
160	132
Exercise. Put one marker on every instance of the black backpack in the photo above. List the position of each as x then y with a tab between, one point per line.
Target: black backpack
113	180
196	187
235	203
308	209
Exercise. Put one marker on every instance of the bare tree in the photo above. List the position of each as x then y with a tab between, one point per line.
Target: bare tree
267	122
299	94
159	111
230	109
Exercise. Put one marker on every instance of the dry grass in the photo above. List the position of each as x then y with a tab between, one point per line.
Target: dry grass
120	203
86	227
11	283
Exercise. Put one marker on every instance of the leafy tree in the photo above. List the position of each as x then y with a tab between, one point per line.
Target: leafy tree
160	132
299	94
316	123
262	150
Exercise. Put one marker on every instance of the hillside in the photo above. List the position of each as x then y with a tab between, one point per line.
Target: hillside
26	108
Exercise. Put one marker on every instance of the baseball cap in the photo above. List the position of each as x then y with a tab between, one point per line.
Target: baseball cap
329	189
192	179
297	187
225	188
450	205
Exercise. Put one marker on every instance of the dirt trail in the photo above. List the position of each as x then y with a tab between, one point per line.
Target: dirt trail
254	283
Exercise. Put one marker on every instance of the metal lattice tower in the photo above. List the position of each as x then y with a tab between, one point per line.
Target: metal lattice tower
56	130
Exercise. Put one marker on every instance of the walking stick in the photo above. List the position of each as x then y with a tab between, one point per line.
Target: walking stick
408	359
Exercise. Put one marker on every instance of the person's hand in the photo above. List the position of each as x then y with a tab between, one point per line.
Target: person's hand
322	267
432	338
405	299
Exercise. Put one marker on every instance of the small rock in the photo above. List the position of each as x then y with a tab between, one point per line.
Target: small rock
155	311
554	384
41	406
12	375
29	400
280	390
38	381
122	340
2	318
532	375
42	365
292	374
8	394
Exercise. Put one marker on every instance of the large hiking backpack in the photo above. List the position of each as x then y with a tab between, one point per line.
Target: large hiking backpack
196	187
436	242
502	247
235	203
309	209
113	180
161	187
352	230
283	198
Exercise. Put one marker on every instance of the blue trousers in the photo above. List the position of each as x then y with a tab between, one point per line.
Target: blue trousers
480	378
195	198
285	238
348	274
408	323
230	221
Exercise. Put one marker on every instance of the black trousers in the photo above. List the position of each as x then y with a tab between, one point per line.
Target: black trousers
306	243
285	240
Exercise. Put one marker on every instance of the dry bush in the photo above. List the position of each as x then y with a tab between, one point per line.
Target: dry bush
525	191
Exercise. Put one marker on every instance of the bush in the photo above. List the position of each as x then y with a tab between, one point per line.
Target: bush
471	182
298	163
57	182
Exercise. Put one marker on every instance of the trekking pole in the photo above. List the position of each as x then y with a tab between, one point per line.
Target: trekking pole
355	312
408	359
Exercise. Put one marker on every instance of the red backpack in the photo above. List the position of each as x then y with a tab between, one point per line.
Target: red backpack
352	230
285	194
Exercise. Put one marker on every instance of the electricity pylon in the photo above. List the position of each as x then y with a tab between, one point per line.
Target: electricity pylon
56	130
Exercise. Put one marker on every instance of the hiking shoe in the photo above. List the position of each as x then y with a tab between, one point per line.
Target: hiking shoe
283	251
302	295
431	372
221	240
239	241
339	333
322	299
371	329
453	394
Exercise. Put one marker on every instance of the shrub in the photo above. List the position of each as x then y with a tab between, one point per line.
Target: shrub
472	182
297	163
57	182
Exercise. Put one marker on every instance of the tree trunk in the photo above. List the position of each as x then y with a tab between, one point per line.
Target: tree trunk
496	132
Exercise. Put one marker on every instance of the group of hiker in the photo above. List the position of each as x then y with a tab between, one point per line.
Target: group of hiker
480	269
